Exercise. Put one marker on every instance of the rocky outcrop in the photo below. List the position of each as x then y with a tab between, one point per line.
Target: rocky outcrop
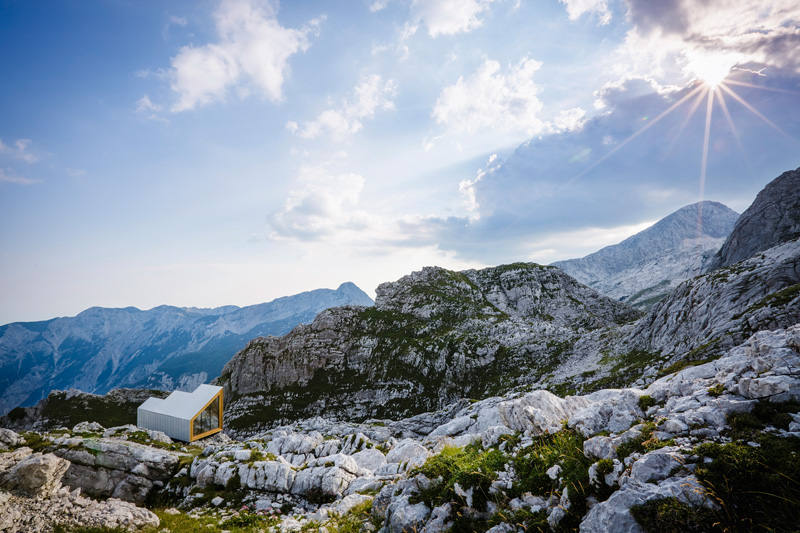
772	219
164	348
432	338
724	307
38	501
644	268
109	468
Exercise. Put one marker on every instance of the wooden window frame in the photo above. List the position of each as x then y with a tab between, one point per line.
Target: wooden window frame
192	436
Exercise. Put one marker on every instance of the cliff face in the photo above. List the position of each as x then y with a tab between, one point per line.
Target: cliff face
773	218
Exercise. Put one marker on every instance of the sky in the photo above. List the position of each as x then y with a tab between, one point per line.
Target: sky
229	152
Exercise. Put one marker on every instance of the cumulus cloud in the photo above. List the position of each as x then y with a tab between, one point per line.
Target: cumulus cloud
492	99
322	207
370	95
448	17
19	150
576	8
251	55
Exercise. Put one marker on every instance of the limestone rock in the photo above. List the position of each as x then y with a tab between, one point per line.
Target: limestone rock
35	474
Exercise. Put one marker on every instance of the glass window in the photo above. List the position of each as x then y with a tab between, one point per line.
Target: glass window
208	419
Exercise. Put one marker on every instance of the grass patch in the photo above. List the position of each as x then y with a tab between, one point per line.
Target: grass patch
669	515
757	488
765	413
470	467
646	442
564	448
646	402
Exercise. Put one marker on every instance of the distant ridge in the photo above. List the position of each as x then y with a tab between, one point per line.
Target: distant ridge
643	268
165	347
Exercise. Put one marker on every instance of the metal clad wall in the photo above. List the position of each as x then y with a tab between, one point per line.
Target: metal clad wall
175	428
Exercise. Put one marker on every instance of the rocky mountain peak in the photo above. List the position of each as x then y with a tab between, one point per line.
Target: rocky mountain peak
773	218
643	268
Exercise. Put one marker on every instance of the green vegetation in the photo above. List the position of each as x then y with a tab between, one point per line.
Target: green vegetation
716	390
776	299
646	442
469	467
765	413
474	468
757	488
354	520
109	410
646	402
669	515
754	480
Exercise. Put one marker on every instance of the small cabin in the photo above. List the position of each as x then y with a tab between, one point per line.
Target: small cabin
185	416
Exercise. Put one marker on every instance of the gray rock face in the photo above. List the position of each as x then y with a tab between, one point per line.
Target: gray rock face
726	306
35	474
101	349
774	218
107	468
647	266
39	501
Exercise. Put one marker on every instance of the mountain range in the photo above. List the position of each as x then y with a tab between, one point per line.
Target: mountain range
164	348
511	398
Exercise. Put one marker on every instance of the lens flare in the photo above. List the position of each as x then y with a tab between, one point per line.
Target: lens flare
711	69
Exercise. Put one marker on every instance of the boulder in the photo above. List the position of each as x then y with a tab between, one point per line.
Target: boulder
369	459
403	517
408	451
35	474
539	411
9	439
616	510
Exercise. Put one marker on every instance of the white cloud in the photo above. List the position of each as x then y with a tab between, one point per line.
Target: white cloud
448	17
144	104
322	208
19	150
379	5
178	21
75	172
146	108
569	120
466	188
10	178
491	99
576	8
370	95
251	54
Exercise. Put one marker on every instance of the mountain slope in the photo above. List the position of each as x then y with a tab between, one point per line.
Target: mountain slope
643	268
773	218
433	337
165	347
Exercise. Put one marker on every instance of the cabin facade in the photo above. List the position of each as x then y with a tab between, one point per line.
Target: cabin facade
185	416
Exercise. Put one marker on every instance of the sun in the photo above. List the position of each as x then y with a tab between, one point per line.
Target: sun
711	69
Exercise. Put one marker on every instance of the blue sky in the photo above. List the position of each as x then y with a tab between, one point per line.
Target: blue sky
204	153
